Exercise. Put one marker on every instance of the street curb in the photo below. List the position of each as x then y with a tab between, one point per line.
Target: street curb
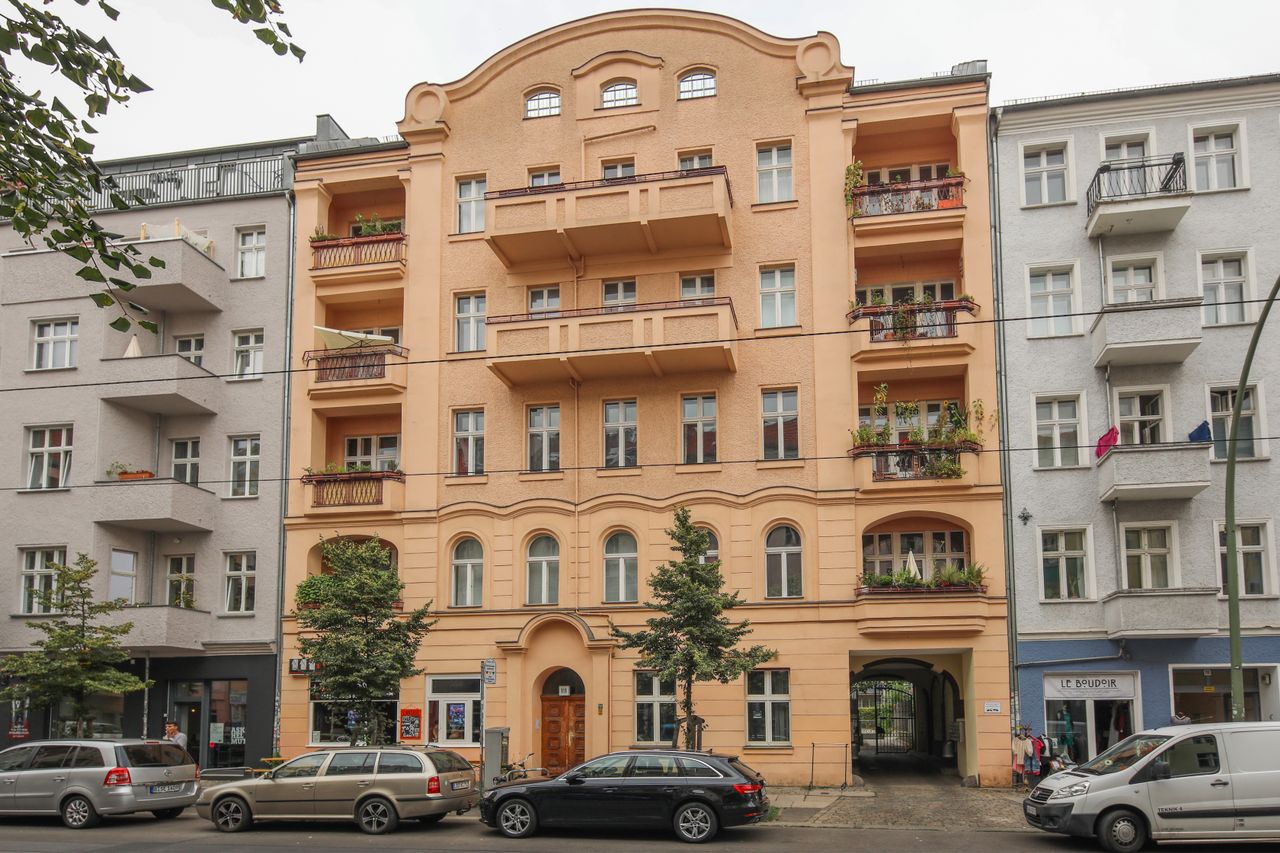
793	824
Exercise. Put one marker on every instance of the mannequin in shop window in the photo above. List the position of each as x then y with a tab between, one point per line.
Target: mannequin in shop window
1068	735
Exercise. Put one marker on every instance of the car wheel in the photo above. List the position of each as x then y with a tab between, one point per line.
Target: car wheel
695	823
231	814
431	818
517	819
79	813
377	816
1122	831
167	814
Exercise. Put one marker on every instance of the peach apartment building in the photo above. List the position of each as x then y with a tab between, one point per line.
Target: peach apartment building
613	273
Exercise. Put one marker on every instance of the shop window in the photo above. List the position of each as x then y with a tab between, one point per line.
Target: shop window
455	713
333	723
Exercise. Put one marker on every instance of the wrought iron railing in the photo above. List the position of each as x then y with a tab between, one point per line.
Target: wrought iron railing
907	197
915	461
341	365
614	309
1136	178
517	192
907	321
203	182
359	488
352	251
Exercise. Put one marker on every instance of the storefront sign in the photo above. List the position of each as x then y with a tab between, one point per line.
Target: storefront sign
410	724
301	666
1097	685
489	670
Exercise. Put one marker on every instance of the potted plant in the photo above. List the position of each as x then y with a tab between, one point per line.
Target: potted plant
948	197
865	436
853	180
186	600
374	226
320	235
121	471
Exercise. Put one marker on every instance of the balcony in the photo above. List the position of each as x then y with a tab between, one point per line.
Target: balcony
378	257
166	384
1157	613
189	281
681	211
356	371
930	331
159	505
912	466
1144	195
914	613
648	339
1137	472
1165	331
354	491
927	214
164	629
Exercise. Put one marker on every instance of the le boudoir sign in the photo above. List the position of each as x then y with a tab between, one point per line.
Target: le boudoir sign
1099	685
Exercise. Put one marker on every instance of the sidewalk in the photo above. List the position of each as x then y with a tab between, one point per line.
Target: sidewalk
902	802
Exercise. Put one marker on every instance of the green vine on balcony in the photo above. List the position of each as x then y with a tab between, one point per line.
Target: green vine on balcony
970	577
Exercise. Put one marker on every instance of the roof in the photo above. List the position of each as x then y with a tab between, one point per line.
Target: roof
1052	101
973	71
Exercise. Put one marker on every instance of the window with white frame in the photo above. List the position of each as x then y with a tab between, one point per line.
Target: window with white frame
242	570
468	573
620	93
1134	281
1057	432
907	291
919	552
1064	564
185	457
468	442
190	347
713	547
469	315
1044	174
783	563
54	343
544	299
781	424
769	706
1149	555
471	205
620	434
1123	182
1217	155
542	104
246	356
616	294
698	428
1052	295
39	580
542	569
392	332
616	169
773	174
251	252
1142	415
372	453
49	457
697	84
1221	405
1224	285
695	160
246	456
544	178
702	286
180	576
655	708
1251	557
621	569
455	712
777	297
544	438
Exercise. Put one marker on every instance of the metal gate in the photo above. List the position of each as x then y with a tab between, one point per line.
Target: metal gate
886	717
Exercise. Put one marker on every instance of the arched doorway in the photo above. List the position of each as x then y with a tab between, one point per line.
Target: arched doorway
904	713
564	721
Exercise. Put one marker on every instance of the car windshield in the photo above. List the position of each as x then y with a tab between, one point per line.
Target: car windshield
1123	755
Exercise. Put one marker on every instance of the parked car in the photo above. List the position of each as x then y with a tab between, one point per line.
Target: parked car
1191	783
82	780
377	787
694	793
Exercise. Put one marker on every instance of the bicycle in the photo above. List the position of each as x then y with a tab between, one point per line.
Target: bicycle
517	770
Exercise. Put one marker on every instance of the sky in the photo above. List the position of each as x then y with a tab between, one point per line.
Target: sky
215	84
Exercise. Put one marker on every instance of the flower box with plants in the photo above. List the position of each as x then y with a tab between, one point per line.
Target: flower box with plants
971	578
906	309
333	472
121	471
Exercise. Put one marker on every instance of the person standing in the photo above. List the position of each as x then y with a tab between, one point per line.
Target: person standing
171	733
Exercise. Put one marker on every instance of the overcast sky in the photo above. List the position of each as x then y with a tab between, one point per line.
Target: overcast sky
215	84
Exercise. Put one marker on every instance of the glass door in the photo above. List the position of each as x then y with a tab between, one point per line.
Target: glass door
186	708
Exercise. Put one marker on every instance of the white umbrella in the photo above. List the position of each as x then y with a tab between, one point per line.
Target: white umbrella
912	565
134	349
338	339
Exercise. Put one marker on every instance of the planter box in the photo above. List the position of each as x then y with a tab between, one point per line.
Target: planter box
135	475
918	590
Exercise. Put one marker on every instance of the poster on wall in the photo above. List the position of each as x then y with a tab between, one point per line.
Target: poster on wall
411	724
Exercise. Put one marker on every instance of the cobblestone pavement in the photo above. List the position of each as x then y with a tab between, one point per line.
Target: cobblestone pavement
926	802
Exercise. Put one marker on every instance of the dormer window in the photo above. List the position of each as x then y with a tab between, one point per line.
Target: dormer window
697	84
541	104
620	93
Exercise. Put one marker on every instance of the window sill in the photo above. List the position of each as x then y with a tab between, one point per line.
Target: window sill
767	464
1216	461
1068	601
631	603
1204	325
698	468
766	206
235	615
778	747
239	497
466	606
630	471
1061	467
1068	203
248	278
464	354
538	476
39	491
1032	337
1222	190
777	331
469	479
1267	596
465	236
244	378
50	369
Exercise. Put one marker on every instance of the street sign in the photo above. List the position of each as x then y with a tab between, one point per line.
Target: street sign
489	671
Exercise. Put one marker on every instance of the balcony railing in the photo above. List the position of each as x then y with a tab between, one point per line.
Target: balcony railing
1138	178
517	192
352	488
345	365
614	309
203	182
354	251
907	197
907	321
915	461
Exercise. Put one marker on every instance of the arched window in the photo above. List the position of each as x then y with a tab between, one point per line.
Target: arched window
468	573
620	574
782	576
544	103
620	93
697	84
544	571
713	547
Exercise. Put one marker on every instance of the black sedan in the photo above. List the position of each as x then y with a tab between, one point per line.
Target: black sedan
694	793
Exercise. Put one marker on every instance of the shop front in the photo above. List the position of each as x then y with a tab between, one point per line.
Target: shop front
1088	712
1203	693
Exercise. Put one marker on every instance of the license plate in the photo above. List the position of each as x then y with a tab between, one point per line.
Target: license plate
458	786
165	789
1032	810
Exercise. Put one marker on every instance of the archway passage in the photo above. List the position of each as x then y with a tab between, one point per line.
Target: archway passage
904	718
564	721
886	716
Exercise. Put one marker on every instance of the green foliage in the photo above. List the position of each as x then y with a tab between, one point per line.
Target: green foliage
972	576
339	468
374	226
691	640
361	645
77	657
320	235
866	435
941	466
853	179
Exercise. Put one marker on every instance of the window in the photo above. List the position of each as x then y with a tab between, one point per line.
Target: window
398	762
655	767
713	548
1148	557
251	252
1141	416
621	93
781	424
544	299
1221	403
246	452
773	174
469	313
1044	174
619	169
392	332
1063	564
542	104
544	178
1223	283
544	438
38	578
698	286
241	568
190	347
655	708
49	457
368	228
333	723
468	573
455	715
471	205
1052	303
1057	432
54	343
1133	281
922	552
908	291
544	571
782	563
620	434
1251	557
1125	149
697	84
186	460
698	428
619	293
372	453
1195	756
246	358
695	160
769	706
1124	182
350	764
181	587
610	767
621	569
468	442
777	297
1217	155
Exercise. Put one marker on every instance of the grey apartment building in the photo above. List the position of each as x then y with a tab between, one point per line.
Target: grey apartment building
159	455
1134	228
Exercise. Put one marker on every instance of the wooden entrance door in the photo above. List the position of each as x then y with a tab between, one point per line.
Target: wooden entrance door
564	732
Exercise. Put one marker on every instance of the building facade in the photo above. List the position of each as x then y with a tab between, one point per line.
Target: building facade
160	456
612	271
1134	230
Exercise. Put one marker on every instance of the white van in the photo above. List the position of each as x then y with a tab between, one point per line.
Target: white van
1189	783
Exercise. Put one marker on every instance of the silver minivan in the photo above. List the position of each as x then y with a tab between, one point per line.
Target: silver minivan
82	780
1218	781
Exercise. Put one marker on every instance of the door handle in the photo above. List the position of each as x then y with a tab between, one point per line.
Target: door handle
610	790
363	784
308	786
59	778
1219	783
10	781
669	790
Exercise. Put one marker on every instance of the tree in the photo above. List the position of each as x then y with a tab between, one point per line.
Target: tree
692	640
77	657
360	643
47	174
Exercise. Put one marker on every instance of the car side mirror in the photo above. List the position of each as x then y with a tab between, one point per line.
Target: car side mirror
1161	770
574	778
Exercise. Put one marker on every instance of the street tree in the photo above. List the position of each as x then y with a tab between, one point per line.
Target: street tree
691	639
78	657
354	631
